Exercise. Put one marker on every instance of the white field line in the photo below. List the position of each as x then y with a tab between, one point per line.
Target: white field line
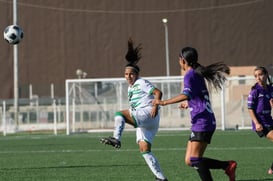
132	150
159	134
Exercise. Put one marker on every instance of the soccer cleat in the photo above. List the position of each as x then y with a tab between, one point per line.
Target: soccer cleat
111	141
270	171
230	170
159	179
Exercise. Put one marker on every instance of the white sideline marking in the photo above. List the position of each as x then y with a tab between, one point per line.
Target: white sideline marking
131	150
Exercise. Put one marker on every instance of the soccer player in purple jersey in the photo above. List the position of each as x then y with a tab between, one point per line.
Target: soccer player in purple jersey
195	96
260	103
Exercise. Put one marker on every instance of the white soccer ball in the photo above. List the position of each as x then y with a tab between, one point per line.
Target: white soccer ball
13	34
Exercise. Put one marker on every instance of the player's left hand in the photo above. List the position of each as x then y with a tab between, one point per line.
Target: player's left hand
154	111
271	102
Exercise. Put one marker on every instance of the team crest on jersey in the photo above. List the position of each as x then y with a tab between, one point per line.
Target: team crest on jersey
136	87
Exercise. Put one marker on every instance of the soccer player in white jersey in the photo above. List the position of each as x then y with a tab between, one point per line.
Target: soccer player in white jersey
141	114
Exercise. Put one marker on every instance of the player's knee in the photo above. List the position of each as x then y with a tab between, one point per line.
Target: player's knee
188	161
144	146
195	161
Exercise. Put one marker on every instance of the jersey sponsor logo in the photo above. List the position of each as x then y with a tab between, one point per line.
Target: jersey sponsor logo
192	135
266	111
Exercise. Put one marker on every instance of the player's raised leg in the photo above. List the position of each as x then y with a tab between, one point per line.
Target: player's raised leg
119	127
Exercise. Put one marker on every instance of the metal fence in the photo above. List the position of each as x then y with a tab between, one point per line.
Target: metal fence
36	114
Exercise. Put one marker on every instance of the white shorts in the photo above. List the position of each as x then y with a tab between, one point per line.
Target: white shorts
147	126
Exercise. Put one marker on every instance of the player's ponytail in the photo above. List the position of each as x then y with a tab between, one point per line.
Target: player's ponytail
133	55
215	74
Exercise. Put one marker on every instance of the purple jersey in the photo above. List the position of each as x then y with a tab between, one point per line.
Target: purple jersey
258	101
202	116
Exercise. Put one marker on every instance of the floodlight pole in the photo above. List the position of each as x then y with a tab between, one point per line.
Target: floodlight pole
165	21
15	69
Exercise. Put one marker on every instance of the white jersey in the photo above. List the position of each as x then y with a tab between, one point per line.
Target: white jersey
140	94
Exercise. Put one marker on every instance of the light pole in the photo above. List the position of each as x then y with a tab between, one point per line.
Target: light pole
15	70
79	73
165	21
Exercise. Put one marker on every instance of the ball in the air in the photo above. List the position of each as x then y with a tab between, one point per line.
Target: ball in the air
13	34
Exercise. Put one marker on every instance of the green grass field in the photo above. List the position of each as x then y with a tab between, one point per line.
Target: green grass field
78	157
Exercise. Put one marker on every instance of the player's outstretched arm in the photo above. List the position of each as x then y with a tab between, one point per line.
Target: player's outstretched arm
173	100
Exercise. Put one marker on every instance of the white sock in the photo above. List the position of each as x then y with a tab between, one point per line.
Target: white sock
153	164
119	126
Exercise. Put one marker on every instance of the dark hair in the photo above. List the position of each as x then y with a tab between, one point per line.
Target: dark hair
190	55
133	55
265	72
215	74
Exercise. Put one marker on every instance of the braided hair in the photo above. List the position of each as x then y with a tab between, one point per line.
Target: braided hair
133	55
215	74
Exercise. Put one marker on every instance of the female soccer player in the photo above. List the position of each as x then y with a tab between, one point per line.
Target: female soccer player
260	103
141	114
196	95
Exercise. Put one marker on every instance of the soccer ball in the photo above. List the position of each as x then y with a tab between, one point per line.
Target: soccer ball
13	34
